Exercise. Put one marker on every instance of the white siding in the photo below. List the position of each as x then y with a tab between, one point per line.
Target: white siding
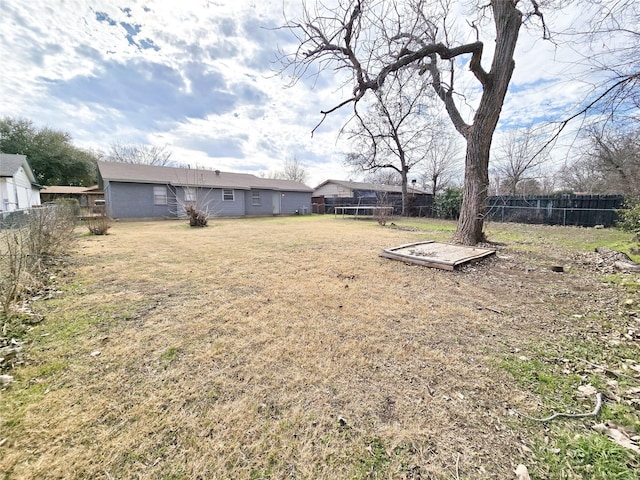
6	201
27	195
17	196
332	190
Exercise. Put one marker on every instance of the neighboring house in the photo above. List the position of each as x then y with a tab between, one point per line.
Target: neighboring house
345	189
18	187
86	196
143	191
336	193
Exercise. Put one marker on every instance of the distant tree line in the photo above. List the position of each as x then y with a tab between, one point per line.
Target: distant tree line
56	161
51	154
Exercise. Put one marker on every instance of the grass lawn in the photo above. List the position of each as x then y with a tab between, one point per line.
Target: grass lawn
287	348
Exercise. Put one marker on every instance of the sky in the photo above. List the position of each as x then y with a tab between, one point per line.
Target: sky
202	77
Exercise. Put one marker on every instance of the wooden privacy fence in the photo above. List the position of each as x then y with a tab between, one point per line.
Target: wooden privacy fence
577	210
419	204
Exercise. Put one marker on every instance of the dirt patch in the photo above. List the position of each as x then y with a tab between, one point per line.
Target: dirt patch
273	348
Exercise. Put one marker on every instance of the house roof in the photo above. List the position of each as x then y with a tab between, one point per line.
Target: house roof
69	190
133	173
372	187
11	163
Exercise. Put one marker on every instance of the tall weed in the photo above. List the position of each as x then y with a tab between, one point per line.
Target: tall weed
28	244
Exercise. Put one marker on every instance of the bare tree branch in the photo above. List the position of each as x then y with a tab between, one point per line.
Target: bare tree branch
158	155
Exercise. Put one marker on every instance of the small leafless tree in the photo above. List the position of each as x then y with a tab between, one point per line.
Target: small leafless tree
519	156
192	197
618	155
548	181
394	134
143	154
384	212
610	163
441	161
373	40
579	176
293	169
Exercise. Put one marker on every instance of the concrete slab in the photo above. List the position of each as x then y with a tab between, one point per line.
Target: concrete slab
436	255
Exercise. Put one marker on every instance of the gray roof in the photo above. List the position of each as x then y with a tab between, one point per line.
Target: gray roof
374	187
10	164
133	173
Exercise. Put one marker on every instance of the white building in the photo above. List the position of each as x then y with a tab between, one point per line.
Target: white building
18	187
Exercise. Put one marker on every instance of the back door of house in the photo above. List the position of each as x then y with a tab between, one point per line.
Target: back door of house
276	202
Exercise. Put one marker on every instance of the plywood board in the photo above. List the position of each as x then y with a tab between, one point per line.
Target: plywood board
437	255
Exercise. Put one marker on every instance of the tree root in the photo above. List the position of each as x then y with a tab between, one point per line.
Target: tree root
595	413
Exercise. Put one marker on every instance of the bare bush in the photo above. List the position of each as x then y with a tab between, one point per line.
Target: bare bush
384	211
14	268
28	244
98	224
197	218
50	232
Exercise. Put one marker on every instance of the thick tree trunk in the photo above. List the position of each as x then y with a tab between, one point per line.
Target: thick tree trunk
476	182
508	20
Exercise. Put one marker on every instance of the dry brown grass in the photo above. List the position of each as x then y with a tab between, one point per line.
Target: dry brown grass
278	348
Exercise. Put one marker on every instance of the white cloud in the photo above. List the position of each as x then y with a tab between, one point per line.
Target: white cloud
199	76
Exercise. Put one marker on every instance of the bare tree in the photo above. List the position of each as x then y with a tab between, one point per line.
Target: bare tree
609	163
293	169
548	181
383	177
395	132
374	40
579	176
440	163
519	155
158	155
618	155
607	44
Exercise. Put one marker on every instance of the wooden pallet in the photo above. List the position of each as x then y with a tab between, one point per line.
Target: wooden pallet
436	255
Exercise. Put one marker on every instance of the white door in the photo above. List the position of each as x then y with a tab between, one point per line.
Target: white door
276	203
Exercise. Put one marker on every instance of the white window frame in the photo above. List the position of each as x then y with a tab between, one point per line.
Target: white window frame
225	194
160	197
189	194
256	199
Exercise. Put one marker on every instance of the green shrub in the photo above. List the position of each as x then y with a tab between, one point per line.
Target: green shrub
70	203
448	203
630	219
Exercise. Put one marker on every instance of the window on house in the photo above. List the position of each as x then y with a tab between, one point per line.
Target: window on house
189	195
255	197
160	195
227	195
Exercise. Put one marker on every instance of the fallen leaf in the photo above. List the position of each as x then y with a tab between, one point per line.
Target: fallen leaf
522	473
618	436
587	390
